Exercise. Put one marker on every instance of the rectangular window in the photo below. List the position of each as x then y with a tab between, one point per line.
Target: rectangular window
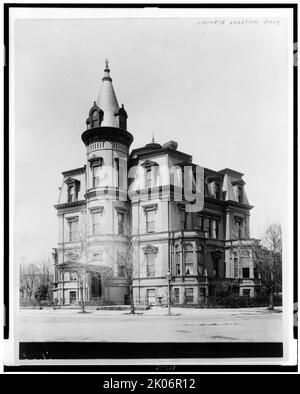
150	264
71	193
149	178
96	222
189	263
177	264
96	175
214	229
200	222
117	172
239	228
176	296
236	267
120	266
182	220
246	272
73	230
150	222
189	296
121	271
121	218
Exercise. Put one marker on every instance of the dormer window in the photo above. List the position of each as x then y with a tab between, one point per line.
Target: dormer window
215	187
238	188
71	193
149	178
150	173
73	189
95	117
122	118
240	194
217	191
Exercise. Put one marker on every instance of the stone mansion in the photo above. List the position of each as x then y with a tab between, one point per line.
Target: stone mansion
181	238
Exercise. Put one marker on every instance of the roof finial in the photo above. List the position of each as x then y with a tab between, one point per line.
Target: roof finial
153	137
106	64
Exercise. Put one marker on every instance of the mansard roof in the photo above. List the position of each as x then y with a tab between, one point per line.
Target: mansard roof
155	149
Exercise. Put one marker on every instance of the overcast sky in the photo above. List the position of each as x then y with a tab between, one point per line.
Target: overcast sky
220	91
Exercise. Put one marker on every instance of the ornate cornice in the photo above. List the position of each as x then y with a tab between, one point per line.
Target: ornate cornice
107	133
70	204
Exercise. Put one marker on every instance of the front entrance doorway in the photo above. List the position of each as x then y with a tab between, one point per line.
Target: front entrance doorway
72	297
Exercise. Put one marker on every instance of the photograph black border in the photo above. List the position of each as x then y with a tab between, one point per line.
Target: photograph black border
57	350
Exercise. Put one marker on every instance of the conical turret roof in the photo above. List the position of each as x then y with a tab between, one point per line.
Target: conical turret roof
107	100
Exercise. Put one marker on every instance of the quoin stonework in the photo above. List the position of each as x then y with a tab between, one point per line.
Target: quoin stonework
187	226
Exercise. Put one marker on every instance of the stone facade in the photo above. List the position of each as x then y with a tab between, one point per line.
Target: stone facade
184	226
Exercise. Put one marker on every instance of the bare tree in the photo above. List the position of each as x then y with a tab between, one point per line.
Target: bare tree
36	279
29	279
268	260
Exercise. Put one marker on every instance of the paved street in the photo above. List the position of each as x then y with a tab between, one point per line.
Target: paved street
185	325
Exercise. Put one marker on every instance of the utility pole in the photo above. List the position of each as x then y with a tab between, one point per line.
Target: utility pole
169	292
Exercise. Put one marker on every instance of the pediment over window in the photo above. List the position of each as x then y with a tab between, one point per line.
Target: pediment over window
150	207
239	182
149	164
121	209
95	161
69	181
150	249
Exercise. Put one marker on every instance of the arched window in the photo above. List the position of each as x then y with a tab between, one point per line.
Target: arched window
189	259
95	119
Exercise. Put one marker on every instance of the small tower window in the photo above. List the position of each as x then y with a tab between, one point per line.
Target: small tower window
122	118
96	171
117	172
